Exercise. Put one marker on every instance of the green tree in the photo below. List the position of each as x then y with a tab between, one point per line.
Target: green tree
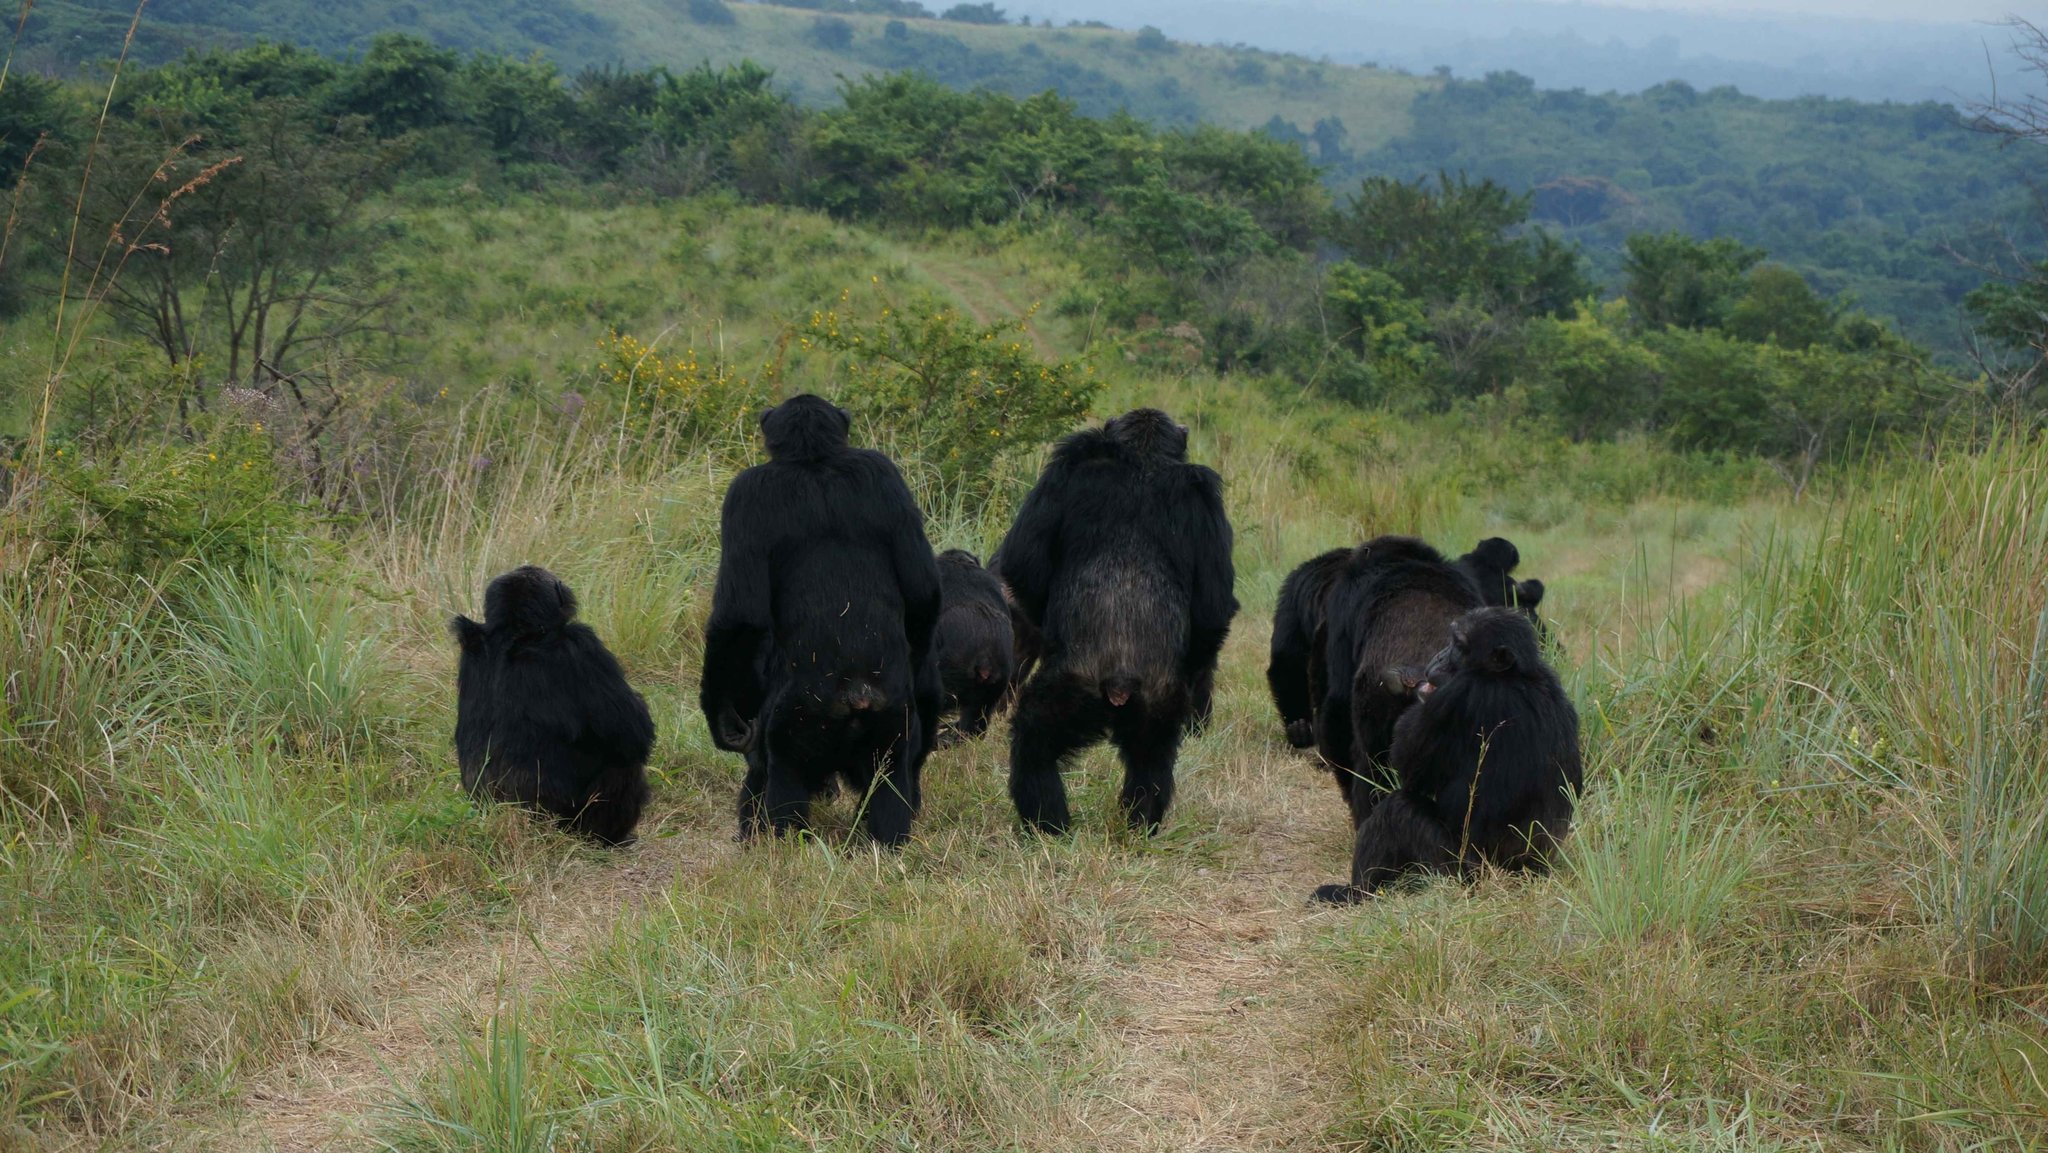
1674	281
1778	306
1589	375
1451	240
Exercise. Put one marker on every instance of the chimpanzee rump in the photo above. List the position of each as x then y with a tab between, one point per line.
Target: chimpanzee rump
1391	607
818	654
1120	556
975	640
1487	759
1296	619
544	716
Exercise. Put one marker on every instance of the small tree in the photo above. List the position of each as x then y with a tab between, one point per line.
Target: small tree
966	394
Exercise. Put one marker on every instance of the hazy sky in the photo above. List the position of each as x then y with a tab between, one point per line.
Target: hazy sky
1937	10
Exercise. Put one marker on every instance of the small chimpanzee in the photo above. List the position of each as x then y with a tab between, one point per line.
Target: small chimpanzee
1121	557
1491	565
975	641
1296	619
544	716
1488	762
1391	607
818	654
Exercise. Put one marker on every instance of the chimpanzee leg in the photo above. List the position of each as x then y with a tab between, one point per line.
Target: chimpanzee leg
892	794
1148	741
1399	837
1056	714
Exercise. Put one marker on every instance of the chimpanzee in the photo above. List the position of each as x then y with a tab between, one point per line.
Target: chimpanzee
544	716
1491	565
818	654
975	640
1121	557
1296	619
1488	762
1391	607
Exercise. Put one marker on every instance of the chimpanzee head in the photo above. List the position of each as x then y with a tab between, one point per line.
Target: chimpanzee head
804	427
961	557
1150	434
529	599
1488	642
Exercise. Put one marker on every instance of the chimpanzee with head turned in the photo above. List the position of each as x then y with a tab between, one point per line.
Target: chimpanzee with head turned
1391	607
1488	762
1120	556
818	654
544	716
975	640
1296	619
1491	565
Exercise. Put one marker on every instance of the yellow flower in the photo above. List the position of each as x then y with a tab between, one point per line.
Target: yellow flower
212	456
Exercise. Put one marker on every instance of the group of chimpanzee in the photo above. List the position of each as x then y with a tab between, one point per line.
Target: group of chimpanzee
836	638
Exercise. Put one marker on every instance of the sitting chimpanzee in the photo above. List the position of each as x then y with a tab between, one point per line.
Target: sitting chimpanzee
1491	565
1391	607
1488	762
1121	557
1296	619
544	716
817	657
975	641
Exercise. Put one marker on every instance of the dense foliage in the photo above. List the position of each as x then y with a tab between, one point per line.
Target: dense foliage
251	255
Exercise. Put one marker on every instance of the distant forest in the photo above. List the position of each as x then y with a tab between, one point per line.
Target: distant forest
1887	205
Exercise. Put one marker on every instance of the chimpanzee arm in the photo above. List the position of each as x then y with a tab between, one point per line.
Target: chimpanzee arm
917	571
1431	743
741	608
1029	554
1205	533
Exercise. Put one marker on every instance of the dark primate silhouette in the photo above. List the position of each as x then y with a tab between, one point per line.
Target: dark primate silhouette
1120	557
1488	762
544	716
818	655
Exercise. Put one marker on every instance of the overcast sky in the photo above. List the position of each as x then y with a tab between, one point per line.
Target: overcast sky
1937	10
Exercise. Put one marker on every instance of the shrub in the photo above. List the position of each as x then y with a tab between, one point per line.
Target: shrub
681	395
965	394
832	33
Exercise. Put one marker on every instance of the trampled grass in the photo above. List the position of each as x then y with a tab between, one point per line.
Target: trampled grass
243	905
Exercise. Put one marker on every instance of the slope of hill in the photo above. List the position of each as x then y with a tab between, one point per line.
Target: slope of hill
1871	200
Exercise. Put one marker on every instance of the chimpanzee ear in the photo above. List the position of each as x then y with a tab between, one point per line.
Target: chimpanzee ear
1502	659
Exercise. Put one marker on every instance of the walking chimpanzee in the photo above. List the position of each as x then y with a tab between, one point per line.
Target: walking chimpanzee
818	655
1120	556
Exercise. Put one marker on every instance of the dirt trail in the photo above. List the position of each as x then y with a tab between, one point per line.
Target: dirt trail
330	1098
980	295
1213	1041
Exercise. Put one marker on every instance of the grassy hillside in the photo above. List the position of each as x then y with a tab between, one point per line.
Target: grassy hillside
246	907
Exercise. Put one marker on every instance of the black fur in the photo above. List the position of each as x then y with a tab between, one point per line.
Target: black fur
975	640
1491	565
544	716
818	655
1296	618
1121	558
1488	761
1391	607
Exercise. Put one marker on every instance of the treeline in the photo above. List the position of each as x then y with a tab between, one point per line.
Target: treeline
244	177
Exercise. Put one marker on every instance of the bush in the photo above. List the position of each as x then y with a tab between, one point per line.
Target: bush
986	13
680	395
965	394
216	502
1151	39
830	32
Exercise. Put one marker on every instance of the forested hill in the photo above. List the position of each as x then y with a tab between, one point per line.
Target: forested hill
1869	200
